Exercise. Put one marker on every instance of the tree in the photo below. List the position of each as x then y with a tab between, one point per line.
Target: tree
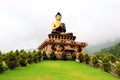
112	58
87	59
22	58
95	61
118	69
103	55
1	62
106	64
53	56
35	57
39	55
98	56
119	59
30	57
73	56
45	57
113	49
11	60
64	56
17	54
81	57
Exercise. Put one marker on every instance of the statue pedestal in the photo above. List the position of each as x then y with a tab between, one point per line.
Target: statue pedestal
60	43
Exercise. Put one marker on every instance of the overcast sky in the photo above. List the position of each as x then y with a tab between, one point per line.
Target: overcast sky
25	24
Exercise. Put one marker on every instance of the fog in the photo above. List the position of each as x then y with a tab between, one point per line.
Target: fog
25	24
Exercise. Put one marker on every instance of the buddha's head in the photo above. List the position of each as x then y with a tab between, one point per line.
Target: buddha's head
58	16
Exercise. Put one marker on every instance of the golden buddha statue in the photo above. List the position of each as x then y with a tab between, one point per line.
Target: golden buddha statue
57	23
58	27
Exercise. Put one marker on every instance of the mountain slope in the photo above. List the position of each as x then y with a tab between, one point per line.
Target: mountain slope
114	50
97	48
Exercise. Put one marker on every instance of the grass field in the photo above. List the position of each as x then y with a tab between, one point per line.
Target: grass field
56	70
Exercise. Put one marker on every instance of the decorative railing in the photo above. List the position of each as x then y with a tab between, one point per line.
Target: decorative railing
61	37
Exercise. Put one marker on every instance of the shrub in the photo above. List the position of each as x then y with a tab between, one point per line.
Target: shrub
1	63
103	55
4	57
22	58
118	69
30	57
81	57
17	53
73	56
64	56
119	59
106	64
35	57
112	58
45	57
86	59
52	56
39	55
98	56
95	61
11	60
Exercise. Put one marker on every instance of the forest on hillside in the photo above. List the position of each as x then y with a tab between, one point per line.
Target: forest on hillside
93	48
111	50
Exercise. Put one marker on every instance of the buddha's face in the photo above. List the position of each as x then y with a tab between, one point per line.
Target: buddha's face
58	18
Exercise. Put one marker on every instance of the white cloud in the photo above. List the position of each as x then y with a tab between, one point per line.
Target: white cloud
26	23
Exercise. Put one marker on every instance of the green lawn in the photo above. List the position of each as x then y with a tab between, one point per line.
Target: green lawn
56	70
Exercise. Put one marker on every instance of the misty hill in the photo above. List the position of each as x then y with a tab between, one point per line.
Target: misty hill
114	50
97	48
